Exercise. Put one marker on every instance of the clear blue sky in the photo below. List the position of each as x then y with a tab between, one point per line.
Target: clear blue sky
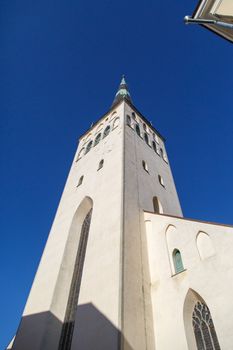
60	66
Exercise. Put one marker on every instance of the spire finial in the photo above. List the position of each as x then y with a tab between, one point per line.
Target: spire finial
123	92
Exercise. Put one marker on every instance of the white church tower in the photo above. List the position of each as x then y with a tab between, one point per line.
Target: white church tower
114	273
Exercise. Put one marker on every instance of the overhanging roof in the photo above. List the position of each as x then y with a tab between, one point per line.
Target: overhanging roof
220	10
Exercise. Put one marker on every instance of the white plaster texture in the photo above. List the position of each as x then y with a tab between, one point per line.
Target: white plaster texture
210	277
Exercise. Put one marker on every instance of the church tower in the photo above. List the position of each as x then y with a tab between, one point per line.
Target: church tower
92	287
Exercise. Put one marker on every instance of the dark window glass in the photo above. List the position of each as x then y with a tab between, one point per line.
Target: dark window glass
145	166
154	146
101	164
80	181
88	148
97	139
137	128
71	308
177	259
146	138
203	326
106	131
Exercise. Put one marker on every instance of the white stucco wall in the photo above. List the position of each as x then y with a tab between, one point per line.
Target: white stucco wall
210	277
46	304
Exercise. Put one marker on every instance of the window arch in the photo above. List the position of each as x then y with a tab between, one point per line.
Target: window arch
161	181
146	138
113	115
177	261
81	153
145	166
97	139
116	122
161	152
157	205
101	164
137	128
133	115
203	327
128	120
71	307
99	128
198	322
106	131
154	146
144	126
88	148
80	181
205	245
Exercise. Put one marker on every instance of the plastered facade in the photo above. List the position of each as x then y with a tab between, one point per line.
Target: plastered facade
130	297
206	251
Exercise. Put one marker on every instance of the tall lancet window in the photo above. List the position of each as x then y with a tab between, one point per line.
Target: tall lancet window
203	326
68	325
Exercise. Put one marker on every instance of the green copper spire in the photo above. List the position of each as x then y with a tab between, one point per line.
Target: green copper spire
122	93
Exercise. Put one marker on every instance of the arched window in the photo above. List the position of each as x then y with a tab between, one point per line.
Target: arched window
157	205
145	166
161	152
106	131
161	180
71	308
80	181
81	153
137	128
146	138
97	139
177	260
203	327
116	122
154	146
133	115
101	164
128	120
88	148
144	126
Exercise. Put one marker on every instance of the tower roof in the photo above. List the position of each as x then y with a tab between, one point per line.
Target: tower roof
122	93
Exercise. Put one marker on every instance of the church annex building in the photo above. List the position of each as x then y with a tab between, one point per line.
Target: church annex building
122	268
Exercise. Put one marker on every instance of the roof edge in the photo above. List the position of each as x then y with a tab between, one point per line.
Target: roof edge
189	219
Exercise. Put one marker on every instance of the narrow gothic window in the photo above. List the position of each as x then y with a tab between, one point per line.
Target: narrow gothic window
88	147
156	204
128	120
137	128
154	146
106	131
97	139
80	181
145	166
133	115
146	138
116	122
101	164
203	326
144	126
161	180
80	154
162	153
177	260
68	325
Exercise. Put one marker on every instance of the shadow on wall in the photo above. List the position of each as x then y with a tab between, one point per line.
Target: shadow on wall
92	331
